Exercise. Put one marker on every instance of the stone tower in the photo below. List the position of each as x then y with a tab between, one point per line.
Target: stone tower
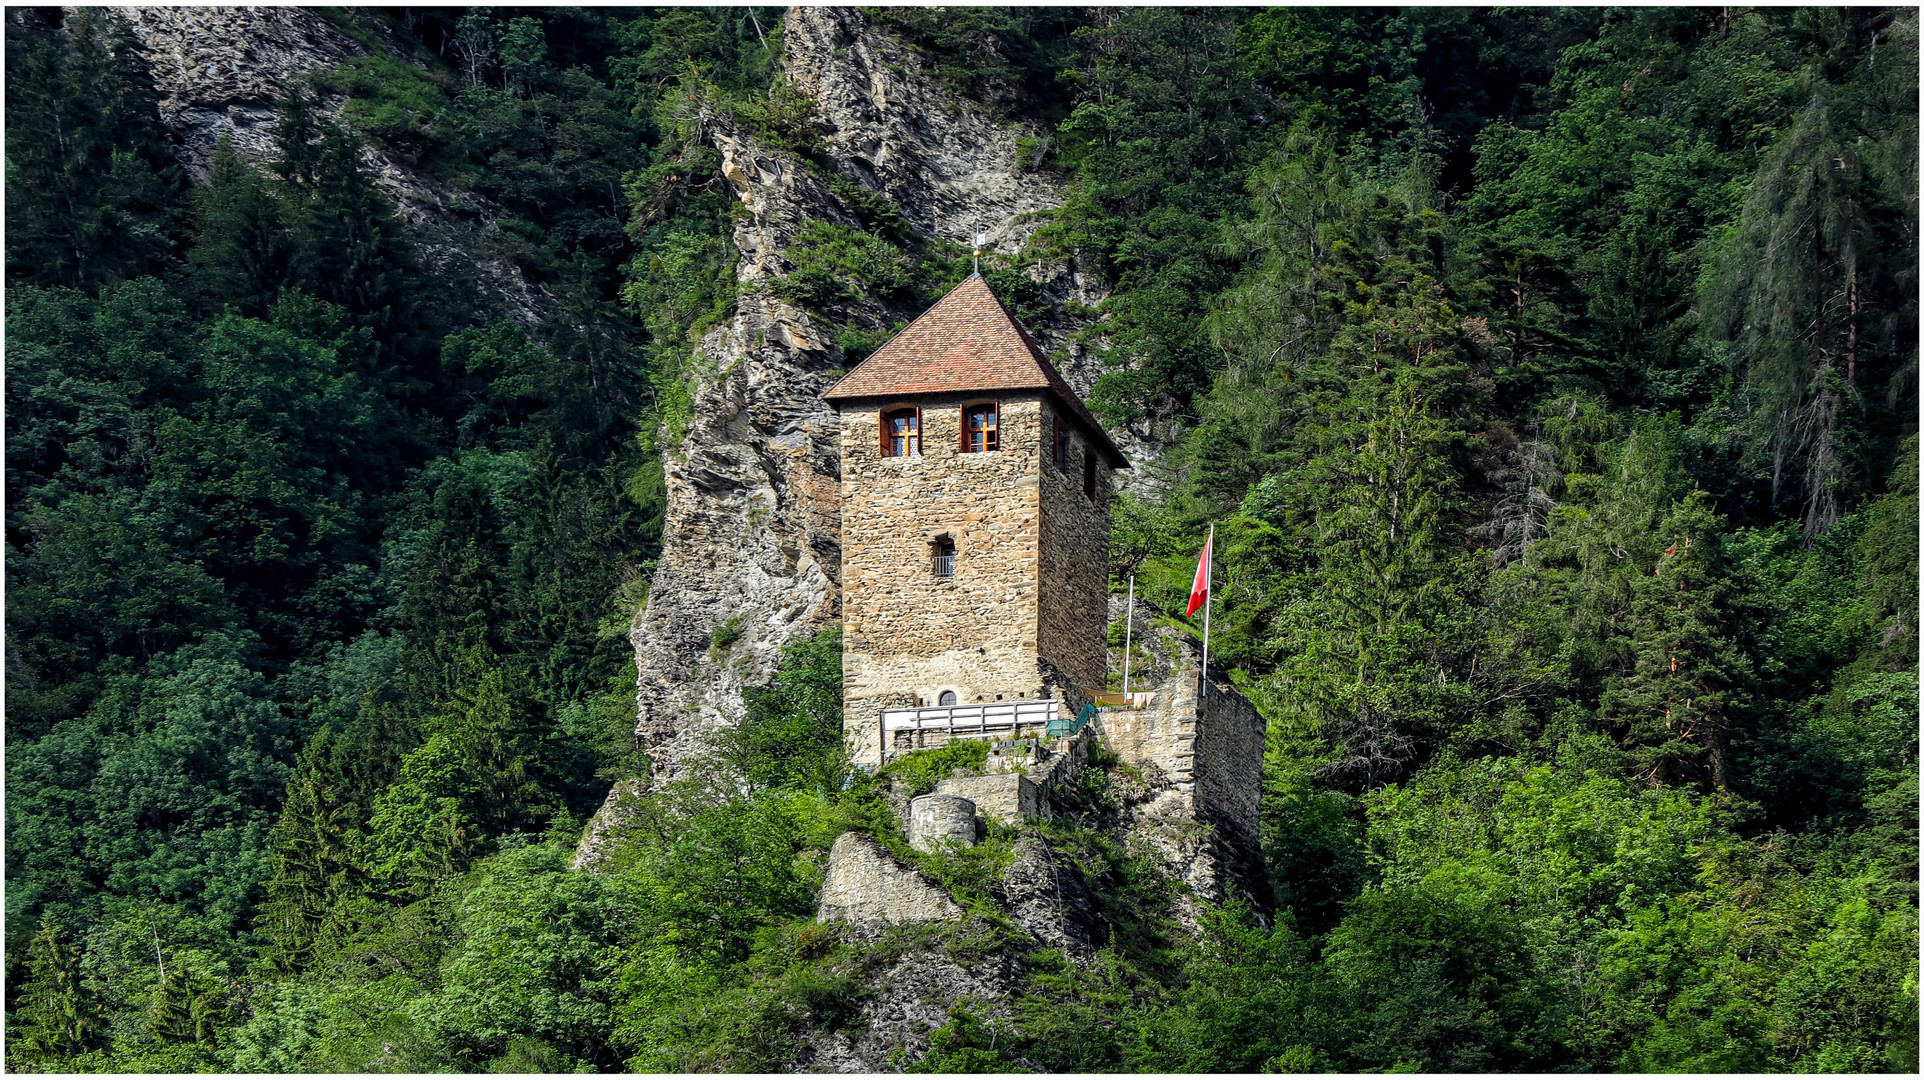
975	525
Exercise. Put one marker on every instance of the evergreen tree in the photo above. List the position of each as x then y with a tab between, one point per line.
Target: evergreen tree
313	854
92	185
455	590
57	1016
242	252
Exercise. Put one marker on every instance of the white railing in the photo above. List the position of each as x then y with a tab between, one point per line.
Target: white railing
972	721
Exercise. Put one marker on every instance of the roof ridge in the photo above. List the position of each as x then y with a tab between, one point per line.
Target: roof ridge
959	345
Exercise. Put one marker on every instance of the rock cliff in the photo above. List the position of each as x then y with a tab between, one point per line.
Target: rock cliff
221	71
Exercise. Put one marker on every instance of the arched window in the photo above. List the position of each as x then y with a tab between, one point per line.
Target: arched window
947	698
902	432
979	428
1089	473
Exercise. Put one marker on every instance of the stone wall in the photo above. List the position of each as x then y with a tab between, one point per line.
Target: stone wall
1210	753
1228	756
1075	560
908	633
941	820
1004	798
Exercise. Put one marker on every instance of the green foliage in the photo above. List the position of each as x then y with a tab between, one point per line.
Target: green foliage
790	734
833	261
919	771
965	1044
58	1017
92	189
1548	376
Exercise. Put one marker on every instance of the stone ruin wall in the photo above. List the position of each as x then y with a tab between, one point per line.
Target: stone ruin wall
1228	756
1209	752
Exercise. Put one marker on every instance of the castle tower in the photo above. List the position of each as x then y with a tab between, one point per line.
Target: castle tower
975	528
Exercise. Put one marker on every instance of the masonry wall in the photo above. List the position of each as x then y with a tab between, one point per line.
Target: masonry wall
908	634
1210	751
1075	561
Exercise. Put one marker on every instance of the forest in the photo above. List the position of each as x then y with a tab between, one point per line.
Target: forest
1549	375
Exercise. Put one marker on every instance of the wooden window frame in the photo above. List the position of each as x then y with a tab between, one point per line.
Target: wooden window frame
887	446
992	435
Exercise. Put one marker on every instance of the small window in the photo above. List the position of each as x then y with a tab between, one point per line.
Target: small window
901	433
947	698
1089	473
942	552
1061	450
979	429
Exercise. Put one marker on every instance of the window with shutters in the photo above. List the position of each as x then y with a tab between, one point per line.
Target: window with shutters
901	433
979	428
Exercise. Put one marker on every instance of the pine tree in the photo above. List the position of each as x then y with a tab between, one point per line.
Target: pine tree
58	1017
1817	292
314	861
242	252
1687	673
92	186
1367	642
502	733
455	590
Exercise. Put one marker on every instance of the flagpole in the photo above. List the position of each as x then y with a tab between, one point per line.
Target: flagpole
1209	598
1128	635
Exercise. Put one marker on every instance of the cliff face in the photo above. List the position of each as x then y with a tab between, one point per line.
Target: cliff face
752	534
753	528
221	71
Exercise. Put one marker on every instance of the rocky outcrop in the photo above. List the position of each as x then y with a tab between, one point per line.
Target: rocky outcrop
867	887
753	531
948	165
952	168
1048	899
912	995
221	72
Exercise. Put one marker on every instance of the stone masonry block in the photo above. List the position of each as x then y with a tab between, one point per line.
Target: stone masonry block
1004	798
940	820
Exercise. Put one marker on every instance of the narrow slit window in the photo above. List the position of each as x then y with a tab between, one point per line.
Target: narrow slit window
1089	474
942	557
979	429
1061	443
901	433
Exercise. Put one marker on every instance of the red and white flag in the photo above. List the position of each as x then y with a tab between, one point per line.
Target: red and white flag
1199	592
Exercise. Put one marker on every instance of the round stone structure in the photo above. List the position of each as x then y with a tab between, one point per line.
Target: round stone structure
938	820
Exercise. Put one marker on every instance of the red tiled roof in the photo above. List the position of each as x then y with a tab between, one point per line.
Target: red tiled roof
967	342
